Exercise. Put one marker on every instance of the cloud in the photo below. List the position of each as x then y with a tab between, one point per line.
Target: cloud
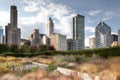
113	33
61	15
94	12
90	29
32	6
108	15
4	18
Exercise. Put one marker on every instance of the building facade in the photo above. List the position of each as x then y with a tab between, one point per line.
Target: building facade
35	38
70	44
50	27
119	37
114	38
79	31
103	35
12	32
1	34
58	41
44	39
92	43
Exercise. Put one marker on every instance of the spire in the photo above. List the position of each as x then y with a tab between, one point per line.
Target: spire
102	23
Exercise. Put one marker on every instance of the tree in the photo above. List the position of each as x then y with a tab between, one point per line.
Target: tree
32	49
51	48
14	48
3	48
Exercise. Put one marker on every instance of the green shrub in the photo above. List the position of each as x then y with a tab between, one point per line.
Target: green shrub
52	67
14	48
3	48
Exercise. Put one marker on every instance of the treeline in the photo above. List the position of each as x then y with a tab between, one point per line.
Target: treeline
25	51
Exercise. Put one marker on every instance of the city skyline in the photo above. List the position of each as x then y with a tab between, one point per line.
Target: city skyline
34	14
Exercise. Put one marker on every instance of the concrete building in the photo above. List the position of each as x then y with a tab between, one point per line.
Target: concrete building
35	38
114	38
12	32
103	35
50	27
58	41
92	43
79	31
1	34
45	39
119	37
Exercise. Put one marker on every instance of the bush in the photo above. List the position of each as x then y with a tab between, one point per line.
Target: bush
24	49
14	48
52	67
51	48
43	48
32	49
3	48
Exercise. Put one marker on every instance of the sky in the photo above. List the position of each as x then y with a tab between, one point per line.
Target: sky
35	13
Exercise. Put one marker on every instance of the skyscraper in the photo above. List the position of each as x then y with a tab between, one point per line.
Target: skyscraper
119	37
103	35
79	31
50	27
1	34
12	32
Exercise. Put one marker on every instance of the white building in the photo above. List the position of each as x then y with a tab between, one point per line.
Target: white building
50	27
92	43
103	35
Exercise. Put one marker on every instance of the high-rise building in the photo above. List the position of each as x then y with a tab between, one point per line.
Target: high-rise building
1	34
114	37
12	32
79	31
35	38
103	35
50	27
119	37
92	43
58	41
70	44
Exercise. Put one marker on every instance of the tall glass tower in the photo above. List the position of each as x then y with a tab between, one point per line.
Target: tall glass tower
103	35
1	34
79	31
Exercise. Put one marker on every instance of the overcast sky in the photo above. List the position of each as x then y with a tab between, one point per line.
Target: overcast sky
35	13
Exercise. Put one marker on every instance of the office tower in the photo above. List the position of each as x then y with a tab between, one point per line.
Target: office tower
119	37
92	43
12	32
58	41
1	34
114	37
50	27
79	31
70	44
103	35
35	38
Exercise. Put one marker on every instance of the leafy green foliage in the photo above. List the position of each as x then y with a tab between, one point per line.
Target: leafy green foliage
14	48
52	67
3	48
